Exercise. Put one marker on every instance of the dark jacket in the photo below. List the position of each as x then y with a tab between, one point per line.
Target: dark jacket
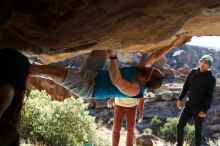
199	87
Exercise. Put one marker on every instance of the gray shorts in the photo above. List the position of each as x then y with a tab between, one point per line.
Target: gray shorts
82	83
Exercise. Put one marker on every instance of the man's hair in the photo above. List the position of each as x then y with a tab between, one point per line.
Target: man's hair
154	78
14	70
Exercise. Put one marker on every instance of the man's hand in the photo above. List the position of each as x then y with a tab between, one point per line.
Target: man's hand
111	53
110	103
202	114
179	104
181	40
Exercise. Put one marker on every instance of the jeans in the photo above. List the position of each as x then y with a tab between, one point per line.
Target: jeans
189	112
130	114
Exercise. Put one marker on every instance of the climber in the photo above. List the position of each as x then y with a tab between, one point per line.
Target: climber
93	81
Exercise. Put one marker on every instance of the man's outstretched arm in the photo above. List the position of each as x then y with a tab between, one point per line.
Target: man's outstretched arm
55	73
126	87
158	54
184	91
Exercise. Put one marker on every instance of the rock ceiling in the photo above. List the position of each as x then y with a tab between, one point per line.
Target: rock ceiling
56	30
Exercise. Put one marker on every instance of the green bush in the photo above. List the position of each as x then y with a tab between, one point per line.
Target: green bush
189	133
148	131
155	125
58	123
168	131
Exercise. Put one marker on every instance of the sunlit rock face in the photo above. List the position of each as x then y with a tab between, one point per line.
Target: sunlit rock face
72	27
212	121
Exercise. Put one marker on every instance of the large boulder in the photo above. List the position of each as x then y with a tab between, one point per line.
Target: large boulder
211	124
59	30
146	140
161	109
169	74
185	70
168	95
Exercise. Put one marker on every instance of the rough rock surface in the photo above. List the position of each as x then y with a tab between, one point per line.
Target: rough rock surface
146	140
59	30
212	121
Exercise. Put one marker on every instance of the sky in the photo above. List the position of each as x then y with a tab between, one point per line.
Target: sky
206	41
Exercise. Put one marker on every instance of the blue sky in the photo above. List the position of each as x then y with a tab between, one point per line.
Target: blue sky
206	41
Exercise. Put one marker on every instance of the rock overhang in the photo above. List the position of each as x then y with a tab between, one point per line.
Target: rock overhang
57	30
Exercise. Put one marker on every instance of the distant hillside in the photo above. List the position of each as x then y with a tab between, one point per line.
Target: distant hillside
188	55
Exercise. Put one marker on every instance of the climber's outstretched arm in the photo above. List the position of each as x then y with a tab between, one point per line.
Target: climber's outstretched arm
158	54
129	88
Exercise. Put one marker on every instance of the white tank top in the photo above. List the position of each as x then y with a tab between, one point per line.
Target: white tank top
126	102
